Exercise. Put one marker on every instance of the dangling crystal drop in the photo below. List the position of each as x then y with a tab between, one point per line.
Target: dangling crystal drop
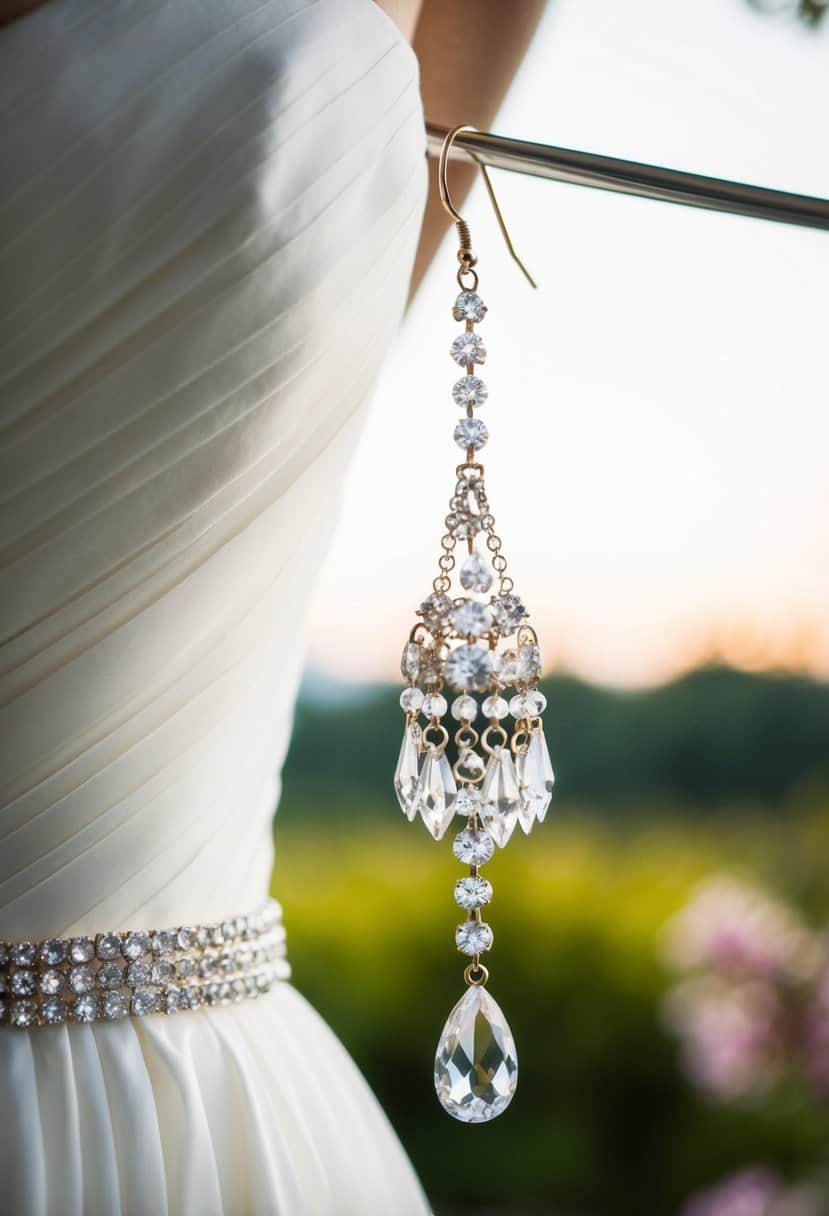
435	794
476	1065
500	797
475	574
405	775
535	778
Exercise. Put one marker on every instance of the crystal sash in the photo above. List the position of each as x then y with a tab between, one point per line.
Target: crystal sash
139	972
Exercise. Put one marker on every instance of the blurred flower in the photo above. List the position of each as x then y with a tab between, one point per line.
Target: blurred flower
815	1035
733	928
756	1191
732	1036
755	1008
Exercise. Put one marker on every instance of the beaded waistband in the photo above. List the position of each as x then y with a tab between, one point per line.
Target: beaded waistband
139	972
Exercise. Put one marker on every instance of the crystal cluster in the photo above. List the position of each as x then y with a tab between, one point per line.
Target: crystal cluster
472	665
85	979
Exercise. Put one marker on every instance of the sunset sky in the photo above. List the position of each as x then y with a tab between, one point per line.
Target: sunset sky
658	462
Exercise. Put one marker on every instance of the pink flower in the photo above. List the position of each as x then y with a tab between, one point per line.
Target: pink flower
755	1191
736	930
732	1035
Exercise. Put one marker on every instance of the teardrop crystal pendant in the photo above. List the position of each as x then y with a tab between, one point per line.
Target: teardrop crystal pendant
535	778
500	797
435	794
405	775
476	1066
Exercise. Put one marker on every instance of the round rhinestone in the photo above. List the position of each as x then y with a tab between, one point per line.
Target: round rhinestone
495	707
469	307
144	1001
509	612
434	706
85	1008
22	1013
469	390
4	954
107	945
473	848
471	618
54	1010
187	938
528	704
473	937
172	1000
52	981
185	967
137	973
411	700
435	611
517	668
471	433
207	966
464	709
468	348
53	951
112	976
469	668
467	801
136	944
23	983
164	941
81	949
81	979
162	971
472	892
24	954
115	1005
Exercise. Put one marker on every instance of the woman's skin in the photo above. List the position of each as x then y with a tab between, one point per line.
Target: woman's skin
468	54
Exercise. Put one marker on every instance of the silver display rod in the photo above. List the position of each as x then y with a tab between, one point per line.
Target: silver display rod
631	177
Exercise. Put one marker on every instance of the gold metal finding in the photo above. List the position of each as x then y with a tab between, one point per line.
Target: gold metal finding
466	254
476	975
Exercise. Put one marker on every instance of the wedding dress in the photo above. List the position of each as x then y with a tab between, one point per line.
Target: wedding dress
208	217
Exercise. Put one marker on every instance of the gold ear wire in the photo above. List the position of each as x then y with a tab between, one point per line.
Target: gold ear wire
466	255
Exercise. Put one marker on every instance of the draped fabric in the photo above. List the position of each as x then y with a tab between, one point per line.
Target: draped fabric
208	217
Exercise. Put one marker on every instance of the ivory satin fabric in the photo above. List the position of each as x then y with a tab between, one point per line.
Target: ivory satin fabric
208	216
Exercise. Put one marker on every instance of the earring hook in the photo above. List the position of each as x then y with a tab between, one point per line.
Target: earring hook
465	254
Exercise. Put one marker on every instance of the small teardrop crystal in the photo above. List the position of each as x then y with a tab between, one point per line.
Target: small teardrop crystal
500	797
476	1065
475	574
535	779
434	797
405	775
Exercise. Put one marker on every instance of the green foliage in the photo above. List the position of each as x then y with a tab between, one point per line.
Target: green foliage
603	1122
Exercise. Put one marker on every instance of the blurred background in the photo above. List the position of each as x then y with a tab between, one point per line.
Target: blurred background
658	469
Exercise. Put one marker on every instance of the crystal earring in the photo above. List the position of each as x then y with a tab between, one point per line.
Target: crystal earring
480	642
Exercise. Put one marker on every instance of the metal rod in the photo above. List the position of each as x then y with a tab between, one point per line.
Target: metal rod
631	177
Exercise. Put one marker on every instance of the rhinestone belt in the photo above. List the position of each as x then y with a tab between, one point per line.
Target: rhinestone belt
85	979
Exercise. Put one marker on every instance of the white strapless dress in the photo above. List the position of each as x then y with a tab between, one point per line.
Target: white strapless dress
208	216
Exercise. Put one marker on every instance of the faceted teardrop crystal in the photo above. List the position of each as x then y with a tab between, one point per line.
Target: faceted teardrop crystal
475	574
535	779
405	775
476	1066
500	797
435	794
